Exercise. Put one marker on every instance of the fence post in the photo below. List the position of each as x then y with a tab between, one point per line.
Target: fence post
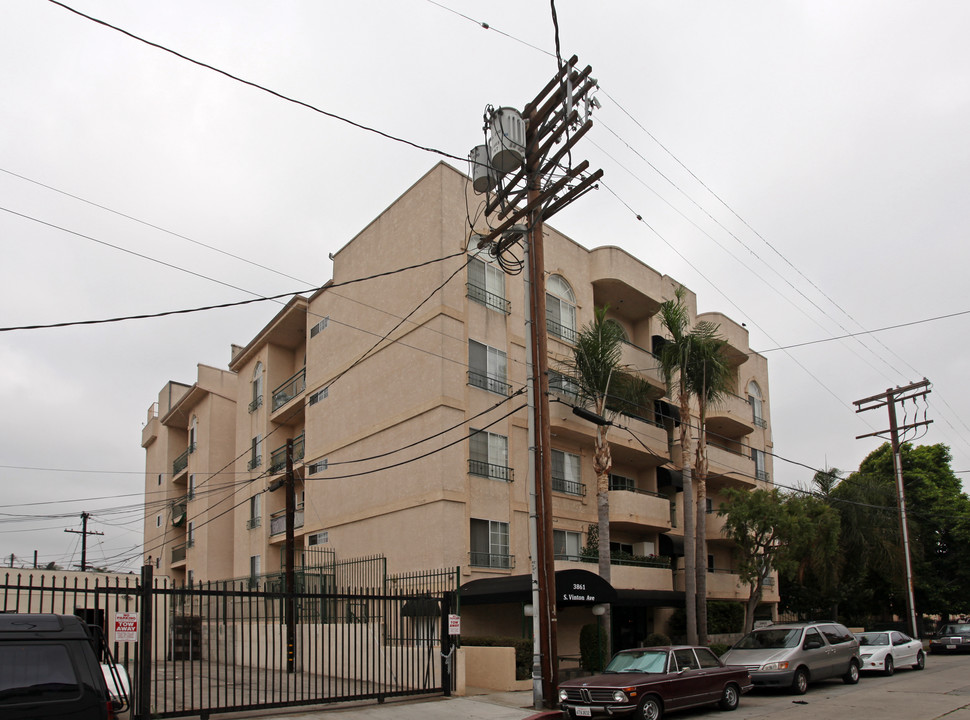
145	633
447	650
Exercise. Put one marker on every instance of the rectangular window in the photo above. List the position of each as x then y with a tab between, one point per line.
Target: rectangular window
320	538
490	544
563	386
560	318
489	455
319	395
487	368
759	465
566	544
159	479
486	284
256	453
619	548
255	568
191	489
190	534
619	482
191	578
710	563
566	474
255	512
318	466
158	521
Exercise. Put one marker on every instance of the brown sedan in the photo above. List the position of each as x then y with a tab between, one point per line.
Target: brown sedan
647	682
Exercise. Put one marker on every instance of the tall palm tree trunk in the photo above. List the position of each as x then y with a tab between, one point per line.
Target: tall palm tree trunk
700	477
602	464
690	558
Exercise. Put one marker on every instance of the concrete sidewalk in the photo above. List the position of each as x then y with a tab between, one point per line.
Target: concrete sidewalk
491	706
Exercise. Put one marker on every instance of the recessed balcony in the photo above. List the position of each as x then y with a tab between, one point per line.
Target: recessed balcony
730	417
287	403
639	510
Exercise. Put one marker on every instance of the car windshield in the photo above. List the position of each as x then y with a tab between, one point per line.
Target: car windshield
874	638
956	629
770	638
647	661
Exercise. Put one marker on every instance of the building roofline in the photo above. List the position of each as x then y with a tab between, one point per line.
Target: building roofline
297	303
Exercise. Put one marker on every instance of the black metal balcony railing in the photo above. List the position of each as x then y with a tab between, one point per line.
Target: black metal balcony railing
570	487
654	561
277	459
289	390
256	404
181	462
489	299
488	382
277	521
624	488
489	470
254	462
762	475
178	553
491	560
759	421
254	522
561	331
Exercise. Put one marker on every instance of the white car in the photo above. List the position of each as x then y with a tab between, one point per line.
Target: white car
885	651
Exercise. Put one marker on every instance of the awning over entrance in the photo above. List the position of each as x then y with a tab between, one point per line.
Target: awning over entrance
573	587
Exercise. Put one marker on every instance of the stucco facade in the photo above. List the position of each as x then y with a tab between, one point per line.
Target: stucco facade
379	381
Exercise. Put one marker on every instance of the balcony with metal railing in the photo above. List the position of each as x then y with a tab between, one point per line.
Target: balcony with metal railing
730	417
568	487
646	364
277	521
178	554
277	459
488	299
561	332
482	468
289	390
489	382
491	560
180	463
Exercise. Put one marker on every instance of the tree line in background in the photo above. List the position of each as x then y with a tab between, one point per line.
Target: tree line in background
837	547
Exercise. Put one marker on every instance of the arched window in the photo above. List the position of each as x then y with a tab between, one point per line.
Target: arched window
755	399
560	309
257	387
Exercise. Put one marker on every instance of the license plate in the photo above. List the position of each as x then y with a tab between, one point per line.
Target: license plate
951	647
583	712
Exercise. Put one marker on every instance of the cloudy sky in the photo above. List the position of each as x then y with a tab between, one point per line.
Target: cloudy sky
803	166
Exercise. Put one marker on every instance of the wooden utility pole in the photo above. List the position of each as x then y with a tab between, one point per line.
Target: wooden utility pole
549	119
84	532
889	399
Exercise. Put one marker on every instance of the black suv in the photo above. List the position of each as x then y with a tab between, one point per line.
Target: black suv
49	669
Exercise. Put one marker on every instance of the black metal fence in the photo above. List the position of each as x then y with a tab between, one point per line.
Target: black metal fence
229	646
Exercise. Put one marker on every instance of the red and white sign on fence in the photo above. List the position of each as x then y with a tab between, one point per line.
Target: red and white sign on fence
126	627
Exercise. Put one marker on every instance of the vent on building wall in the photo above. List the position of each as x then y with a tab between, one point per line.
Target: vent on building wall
319	395
318	466
319	327
320	538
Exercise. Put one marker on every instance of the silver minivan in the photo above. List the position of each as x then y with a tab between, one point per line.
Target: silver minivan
790	655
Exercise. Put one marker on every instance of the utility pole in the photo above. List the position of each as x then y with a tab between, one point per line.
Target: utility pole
550	118
84	532
889	399
289	572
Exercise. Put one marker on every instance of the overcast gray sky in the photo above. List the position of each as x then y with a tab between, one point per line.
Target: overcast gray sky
803	166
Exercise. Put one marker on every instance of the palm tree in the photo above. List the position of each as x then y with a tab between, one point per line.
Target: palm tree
675	362
709	377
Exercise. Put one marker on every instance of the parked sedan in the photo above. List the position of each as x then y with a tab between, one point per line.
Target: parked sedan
952	637
652	681
885	651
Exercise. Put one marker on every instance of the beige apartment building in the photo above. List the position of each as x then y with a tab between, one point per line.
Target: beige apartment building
379	378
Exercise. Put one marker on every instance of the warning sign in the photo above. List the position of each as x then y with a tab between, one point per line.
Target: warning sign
126	627
454	624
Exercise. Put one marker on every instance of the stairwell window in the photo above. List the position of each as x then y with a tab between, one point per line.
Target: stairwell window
193	433
487	368
190	534
255	512
560	309
256	452
486	284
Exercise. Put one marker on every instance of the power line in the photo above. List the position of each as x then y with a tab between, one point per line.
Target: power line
263	88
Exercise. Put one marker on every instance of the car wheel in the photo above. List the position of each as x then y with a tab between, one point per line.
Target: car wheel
730	698
651	708
799	683
889	669
920	661
851	677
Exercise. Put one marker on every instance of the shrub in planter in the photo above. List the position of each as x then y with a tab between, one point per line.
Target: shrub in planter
589	657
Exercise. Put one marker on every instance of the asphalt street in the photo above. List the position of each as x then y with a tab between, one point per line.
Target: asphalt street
941	690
